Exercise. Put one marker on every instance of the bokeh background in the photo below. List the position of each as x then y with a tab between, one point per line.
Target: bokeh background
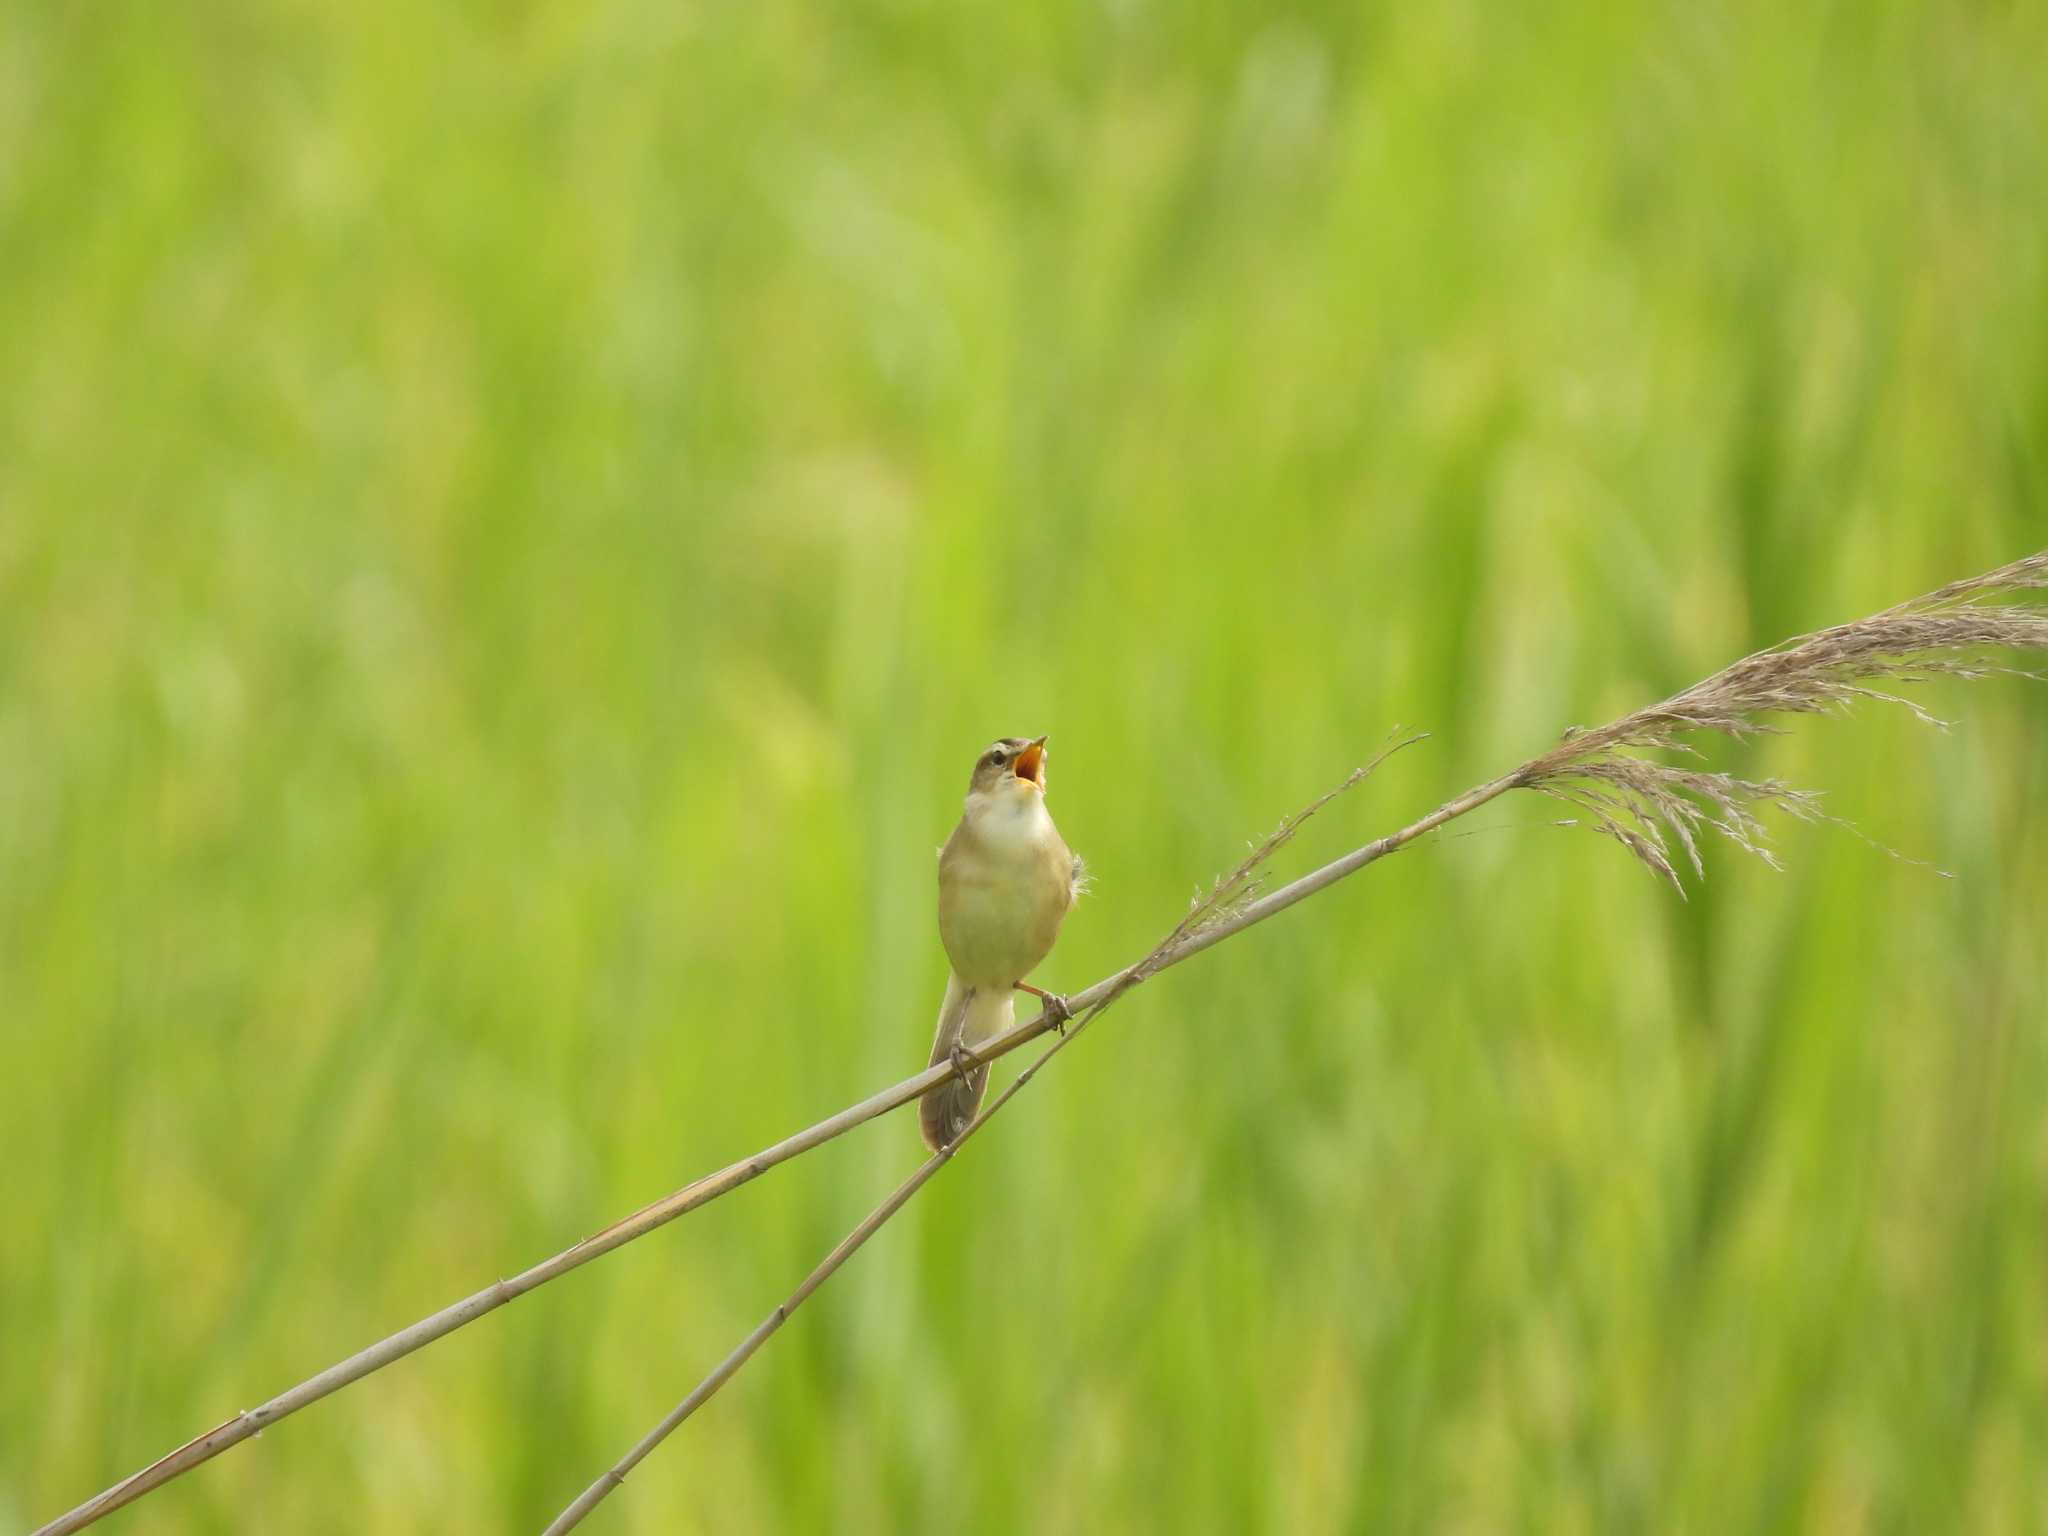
515	519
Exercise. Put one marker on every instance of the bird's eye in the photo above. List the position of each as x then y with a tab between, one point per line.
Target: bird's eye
995	758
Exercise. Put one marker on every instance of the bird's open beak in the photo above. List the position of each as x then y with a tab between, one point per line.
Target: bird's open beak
1031	763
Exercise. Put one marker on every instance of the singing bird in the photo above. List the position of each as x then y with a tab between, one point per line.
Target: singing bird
1006	881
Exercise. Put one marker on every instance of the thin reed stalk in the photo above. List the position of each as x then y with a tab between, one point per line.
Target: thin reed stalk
1654	809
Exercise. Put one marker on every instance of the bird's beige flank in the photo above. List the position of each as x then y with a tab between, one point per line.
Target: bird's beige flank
1006	881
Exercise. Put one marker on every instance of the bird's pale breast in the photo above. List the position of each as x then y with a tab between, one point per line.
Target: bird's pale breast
1006	880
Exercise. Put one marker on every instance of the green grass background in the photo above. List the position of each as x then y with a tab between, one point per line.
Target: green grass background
515	518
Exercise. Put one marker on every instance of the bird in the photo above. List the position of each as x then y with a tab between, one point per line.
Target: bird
1006	883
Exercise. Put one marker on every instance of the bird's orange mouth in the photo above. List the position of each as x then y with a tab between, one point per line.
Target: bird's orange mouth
1031	763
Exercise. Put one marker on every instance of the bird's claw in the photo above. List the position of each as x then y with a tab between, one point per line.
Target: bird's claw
963	1063
1058	1010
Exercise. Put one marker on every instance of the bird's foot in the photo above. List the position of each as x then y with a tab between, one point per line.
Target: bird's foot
1057	1008
964	1064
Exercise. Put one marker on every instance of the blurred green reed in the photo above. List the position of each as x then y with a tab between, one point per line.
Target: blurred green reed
514	520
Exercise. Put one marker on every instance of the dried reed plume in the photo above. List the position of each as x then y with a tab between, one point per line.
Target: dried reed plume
1647	806
1644	804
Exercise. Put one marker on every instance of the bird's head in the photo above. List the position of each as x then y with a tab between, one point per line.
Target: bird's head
1010	766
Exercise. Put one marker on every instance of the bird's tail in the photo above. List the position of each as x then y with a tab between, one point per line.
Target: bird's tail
968	1016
